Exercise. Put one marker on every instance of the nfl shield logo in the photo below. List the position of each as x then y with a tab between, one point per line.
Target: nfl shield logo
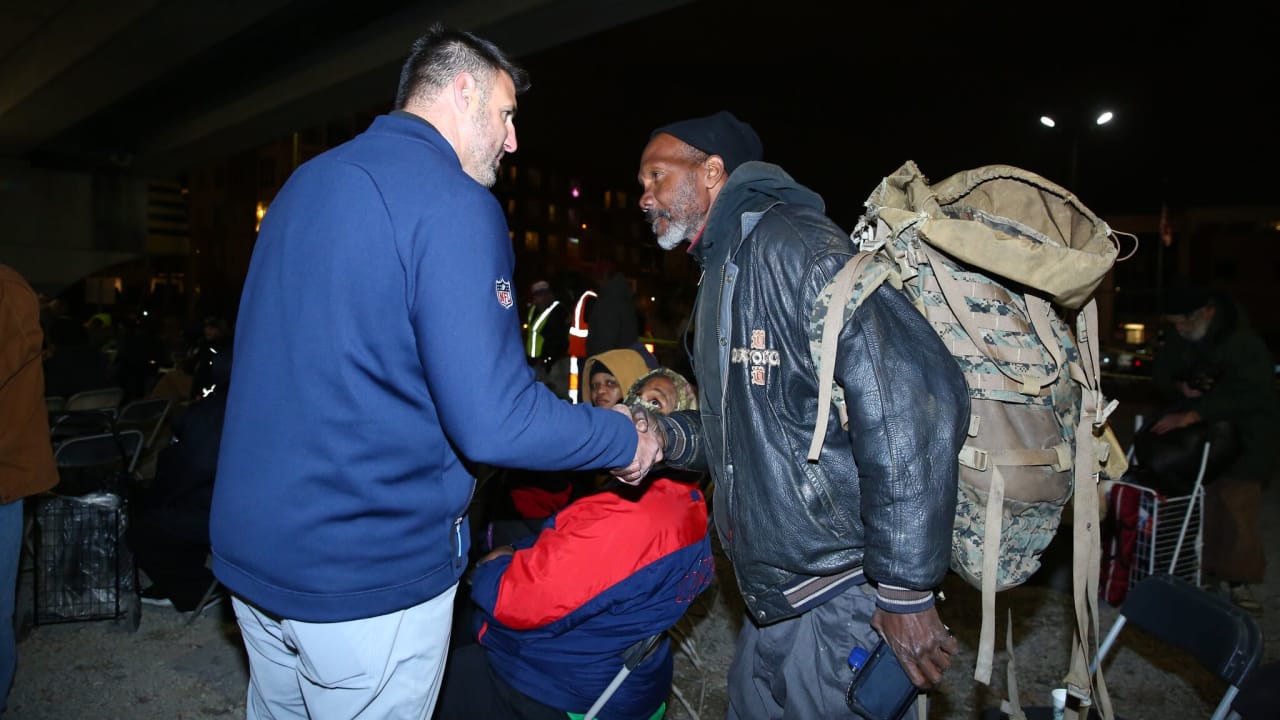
502	289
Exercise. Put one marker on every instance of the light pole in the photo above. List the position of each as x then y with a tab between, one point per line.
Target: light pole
1103	118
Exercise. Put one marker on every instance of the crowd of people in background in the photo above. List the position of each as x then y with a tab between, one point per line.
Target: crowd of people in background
133	349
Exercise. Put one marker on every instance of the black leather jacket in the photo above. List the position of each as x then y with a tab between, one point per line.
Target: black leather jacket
881	498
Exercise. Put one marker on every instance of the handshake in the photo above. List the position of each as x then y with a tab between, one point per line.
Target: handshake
652	441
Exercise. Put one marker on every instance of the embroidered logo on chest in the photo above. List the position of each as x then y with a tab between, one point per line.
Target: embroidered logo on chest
757	358
502	288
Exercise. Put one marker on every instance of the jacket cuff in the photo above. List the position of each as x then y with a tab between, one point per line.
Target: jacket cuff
681	447
894	599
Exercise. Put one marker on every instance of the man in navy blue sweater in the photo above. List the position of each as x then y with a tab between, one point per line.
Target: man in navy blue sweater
379	294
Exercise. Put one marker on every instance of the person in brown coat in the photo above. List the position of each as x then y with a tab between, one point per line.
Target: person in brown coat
26	458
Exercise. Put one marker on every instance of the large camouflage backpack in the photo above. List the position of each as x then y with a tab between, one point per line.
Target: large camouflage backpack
996	258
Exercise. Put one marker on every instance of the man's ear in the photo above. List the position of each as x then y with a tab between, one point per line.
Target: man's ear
713	168
465	91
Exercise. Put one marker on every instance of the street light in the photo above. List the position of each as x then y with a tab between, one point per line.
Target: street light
1103	118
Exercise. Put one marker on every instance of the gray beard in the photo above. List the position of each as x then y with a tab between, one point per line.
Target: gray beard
676	233
1197	333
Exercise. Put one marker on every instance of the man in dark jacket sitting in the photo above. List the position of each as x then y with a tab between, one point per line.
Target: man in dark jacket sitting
1214	370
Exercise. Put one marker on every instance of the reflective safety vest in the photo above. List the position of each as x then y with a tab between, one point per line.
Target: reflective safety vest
533	341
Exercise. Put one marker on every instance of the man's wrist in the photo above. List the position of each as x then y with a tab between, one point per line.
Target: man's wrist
895	599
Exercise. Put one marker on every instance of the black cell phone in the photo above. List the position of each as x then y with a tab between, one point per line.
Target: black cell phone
881	689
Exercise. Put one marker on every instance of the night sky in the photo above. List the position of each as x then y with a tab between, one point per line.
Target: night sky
843	96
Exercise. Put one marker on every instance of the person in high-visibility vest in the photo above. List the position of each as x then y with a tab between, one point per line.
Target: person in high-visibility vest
546	335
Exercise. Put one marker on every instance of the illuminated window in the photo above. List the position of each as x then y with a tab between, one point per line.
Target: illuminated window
1135	333
608	200
531	240
622	199
551	212
261	213
512	173
511	206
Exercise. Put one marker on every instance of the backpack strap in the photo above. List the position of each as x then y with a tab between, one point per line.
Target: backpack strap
835	304
990	576
1012	707
1087	550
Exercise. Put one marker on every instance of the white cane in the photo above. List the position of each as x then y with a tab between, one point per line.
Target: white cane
631	659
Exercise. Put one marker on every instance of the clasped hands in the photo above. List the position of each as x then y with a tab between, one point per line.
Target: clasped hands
648	448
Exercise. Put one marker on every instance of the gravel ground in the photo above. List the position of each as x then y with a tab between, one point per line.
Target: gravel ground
170	671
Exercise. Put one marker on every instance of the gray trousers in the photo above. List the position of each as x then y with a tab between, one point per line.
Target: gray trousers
799	668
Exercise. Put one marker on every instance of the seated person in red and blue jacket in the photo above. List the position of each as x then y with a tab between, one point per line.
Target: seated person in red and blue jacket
554	613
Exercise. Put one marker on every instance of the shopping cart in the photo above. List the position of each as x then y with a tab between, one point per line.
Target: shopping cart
83	569
1153	533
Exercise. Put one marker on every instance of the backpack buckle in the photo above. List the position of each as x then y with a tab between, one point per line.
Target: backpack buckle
976	458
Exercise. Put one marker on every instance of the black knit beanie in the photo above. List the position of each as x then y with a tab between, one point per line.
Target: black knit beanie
719	134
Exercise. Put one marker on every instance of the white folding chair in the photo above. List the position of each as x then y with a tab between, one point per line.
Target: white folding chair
107	399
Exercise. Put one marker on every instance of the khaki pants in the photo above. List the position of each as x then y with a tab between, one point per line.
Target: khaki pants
1232	538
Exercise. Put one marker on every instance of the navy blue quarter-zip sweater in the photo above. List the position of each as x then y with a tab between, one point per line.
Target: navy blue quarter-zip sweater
377	345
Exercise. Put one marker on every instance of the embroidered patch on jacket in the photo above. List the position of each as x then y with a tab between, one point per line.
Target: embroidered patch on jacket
757	358
502	288
695	581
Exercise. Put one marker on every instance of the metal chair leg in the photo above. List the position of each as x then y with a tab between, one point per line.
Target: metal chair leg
203	604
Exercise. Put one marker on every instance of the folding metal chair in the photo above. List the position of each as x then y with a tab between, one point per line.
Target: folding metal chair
1223	638
146	415
107	399
80	422
206	601
85	413
104	452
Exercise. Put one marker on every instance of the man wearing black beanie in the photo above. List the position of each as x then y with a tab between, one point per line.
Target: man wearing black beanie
837	553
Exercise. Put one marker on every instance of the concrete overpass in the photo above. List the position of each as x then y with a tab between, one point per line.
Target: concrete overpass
97	96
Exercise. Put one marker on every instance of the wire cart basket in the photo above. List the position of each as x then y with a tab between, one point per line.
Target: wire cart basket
83	569
1170	539
1168	535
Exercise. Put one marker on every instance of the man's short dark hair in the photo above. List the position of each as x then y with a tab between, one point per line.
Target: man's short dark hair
440	54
